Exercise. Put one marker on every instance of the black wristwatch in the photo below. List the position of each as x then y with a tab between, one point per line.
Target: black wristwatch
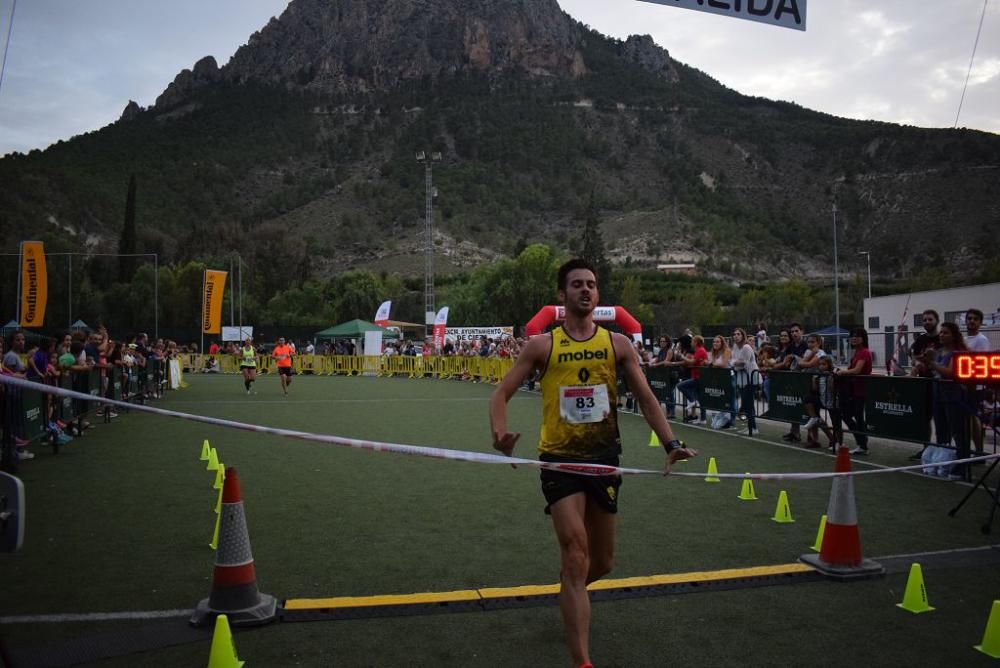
675	444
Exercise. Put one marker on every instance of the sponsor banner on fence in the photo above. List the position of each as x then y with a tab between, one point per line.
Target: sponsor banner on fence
34	284
659	383
715	389
34	404
460	334
788	392
898	407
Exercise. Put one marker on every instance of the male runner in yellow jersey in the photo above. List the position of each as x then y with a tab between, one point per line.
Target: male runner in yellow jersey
580	424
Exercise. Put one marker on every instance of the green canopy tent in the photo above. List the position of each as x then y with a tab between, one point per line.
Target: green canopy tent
354	329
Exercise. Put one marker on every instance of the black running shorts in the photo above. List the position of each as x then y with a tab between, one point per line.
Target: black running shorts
601	489
285	371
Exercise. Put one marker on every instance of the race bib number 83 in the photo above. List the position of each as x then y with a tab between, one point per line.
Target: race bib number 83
582	404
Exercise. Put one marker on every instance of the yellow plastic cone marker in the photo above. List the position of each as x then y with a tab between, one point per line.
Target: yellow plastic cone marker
223	652
991	639
218	502
818	545
915	596
213	460
746	492
215	534
220	476
205	448
782	513
654	440
713	471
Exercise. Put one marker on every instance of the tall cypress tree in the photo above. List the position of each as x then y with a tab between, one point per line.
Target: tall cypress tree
127	241
593	248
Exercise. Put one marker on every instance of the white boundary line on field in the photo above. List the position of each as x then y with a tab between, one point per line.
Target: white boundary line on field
94	616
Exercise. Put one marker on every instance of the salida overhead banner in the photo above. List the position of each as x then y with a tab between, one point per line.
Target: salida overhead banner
781	13
898	407
34	284
211	318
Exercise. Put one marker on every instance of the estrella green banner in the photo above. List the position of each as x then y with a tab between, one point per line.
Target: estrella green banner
898	407
715	389
659	382
788	390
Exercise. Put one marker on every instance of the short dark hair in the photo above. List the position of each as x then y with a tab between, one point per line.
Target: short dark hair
793	326
975	312
933	313
575	263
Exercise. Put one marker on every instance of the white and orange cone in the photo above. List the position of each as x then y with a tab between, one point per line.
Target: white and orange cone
840	554
234	581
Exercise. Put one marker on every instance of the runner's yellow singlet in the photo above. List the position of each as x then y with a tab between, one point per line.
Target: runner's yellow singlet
580	398
249	357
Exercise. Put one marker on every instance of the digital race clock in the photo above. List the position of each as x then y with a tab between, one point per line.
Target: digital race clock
973	367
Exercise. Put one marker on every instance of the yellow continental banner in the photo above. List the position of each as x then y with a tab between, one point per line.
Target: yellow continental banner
34	284
211	305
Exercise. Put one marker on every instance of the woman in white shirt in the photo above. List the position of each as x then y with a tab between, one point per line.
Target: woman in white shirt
744	364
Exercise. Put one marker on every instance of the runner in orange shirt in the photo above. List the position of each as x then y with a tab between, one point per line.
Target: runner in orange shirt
282	353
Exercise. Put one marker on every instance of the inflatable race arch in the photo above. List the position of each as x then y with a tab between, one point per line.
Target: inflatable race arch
615	314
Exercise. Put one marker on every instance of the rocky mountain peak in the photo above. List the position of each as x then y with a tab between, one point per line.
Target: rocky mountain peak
365	45
642	50
132	109
205	71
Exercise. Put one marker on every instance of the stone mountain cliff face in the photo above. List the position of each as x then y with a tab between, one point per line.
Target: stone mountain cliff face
344	46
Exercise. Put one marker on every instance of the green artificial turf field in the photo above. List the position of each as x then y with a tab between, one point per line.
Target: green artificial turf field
121	520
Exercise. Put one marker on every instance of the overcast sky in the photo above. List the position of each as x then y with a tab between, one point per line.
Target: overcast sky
73	65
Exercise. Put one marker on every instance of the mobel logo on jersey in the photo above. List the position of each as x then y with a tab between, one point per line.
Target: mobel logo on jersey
583	355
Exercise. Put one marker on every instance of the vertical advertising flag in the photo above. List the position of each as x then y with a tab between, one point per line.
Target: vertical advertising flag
440	325
211	307
34	284
382	314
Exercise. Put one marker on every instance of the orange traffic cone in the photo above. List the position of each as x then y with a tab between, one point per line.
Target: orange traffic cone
840	554
234	581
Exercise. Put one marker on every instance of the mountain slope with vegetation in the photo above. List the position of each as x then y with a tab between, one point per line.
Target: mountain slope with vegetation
299	155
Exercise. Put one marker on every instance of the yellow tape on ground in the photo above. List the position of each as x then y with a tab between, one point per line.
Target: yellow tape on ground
703	576
369	601
514	592
528	591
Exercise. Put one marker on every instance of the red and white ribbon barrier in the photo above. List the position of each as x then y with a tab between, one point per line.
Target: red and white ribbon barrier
443	453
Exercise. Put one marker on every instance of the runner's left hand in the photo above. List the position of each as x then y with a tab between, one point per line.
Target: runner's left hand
505	443
675	455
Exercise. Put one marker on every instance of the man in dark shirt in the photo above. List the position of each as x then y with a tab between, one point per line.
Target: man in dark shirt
930	339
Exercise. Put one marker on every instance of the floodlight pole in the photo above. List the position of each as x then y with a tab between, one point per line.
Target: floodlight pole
836	282
429	308
868	257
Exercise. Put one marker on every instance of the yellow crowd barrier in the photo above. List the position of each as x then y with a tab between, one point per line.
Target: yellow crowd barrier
479	369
